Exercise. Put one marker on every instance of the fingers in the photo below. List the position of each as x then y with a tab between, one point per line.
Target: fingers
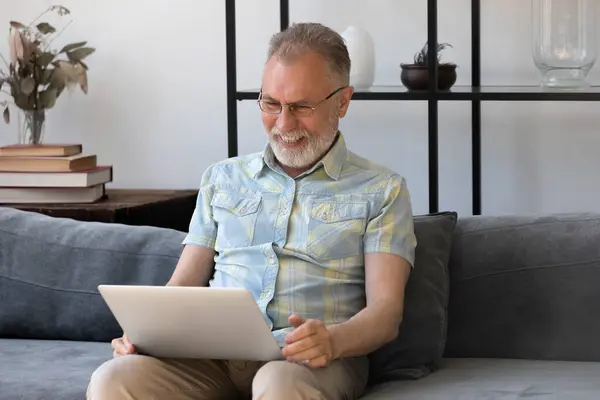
313	350
314	357
319	362
308	349
300	346
117	347
296	320
309	327
308	354
128	344
122	346
308	343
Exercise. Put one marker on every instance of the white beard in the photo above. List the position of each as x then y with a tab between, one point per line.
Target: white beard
315	146
313	149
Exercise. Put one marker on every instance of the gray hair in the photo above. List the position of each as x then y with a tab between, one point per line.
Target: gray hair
309	36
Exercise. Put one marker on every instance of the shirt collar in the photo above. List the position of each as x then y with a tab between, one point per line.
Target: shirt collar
332	162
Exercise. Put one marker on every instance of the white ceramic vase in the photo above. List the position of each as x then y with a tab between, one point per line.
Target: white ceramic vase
361	48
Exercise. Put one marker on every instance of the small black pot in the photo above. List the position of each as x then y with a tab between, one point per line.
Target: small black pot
416	77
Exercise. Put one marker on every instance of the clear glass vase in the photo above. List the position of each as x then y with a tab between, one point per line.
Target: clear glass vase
31	125
564	41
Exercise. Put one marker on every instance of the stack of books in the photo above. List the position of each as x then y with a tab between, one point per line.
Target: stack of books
51	173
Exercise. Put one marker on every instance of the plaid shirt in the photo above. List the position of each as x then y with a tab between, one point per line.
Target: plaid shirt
298	245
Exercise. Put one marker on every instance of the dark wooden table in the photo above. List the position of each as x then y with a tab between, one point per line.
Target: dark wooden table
161	208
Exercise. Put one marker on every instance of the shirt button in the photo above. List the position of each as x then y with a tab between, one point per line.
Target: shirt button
243	209
271	260
325	216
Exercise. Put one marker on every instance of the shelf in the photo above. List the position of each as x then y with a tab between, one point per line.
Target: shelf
373	93
519	93
466	93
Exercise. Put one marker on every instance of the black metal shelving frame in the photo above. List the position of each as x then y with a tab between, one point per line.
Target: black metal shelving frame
474	94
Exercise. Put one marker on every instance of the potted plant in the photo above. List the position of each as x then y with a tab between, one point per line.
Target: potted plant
415	76
36	73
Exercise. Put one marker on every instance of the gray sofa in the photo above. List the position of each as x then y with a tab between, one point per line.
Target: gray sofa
497	307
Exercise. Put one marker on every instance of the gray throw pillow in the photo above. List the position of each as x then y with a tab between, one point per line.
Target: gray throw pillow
418	349
50	269
526	287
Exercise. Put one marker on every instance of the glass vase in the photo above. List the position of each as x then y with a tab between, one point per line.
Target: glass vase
31	125
564	41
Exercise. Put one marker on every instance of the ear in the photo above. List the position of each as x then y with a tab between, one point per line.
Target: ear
345	96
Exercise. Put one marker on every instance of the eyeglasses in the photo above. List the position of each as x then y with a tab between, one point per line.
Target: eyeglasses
273	107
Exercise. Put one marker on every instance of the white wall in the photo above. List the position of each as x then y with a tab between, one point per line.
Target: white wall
157	103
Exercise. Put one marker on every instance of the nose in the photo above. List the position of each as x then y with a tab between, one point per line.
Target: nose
286	121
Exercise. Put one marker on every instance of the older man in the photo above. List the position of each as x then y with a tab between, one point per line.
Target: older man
321	237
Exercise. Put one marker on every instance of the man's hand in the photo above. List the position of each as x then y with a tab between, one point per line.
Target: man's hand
309	343
122	347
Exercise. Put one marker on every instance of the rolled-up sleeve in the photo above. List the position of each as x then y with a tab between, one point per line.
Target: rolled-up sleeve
391	230
203	228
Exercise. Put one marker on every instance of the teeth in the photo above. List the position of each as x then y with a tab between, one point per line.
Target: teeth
290	139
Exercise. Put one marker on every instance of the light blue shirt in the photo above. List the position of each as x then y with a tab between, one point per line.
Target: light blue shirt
298	245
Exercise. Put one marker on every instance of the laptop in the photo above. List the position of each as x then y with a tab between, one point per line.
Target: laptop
192	322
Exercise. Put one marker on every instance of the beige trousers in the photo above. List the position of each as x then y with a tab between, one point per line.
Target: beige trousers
138	377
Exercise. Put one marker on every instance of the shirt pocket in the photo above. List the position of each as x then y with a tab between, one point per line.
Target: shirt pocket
235	215
336	229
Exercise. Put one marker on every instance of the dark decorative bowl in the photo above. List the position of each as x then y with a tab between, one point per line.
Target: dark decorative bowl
416	77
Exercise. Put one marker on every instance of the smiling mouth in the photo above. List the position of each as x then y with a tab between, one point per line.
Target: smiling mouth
290	140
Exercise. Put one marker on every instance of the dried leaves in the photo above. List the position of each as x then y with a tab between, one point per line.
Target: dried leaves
70	75
60	10
80	54
17	25
48	98
45	28
27	85
37	74
16	43
72	46
422	57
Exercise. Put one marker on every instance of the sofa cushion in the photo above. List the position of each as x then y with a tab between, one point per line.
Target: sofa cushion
50	269
501	379
420	343
48	369
526	287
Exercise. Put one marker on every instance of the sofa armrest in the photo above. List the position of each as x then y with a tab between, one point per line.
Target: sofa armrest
50	269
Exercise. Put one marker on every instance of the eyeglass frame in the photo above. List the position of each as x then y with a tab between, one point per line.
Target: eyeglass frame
290	106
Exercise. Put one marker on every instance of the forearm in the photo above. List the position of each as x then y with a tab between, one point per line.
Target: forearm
371	328
194	268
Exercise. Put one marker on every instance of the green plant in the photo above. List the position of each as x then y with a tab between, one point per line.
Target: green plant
422	57
38	73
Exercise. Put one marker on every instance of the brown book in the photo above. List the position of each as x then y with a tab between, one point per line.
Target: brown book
84	178
41	150
51	195
77	162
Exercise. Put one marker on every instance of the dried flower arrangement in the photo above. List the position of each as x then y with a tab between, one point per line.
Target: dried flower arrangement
37	73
